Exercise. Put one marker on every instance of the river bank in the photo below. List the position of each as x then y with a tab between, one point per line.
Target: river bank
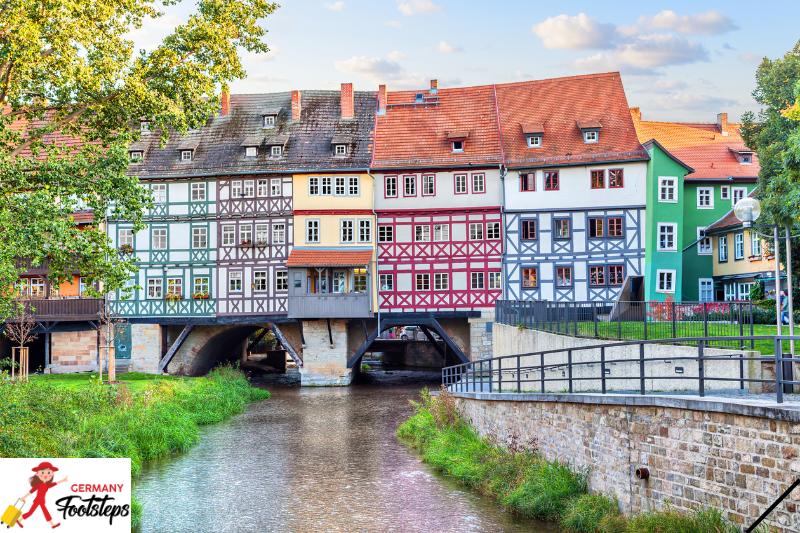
518	479
144	418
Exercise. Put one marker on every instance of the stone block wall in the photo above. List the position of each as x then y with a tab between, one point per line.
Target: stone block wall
700	453
145	347
325	362
481	335
73	351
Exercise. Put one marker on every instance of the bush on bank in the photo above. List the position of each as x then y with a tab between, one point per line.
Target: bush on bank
44	419
527	484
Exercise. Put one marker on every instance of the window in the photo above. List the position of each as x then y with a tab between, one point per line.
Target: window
706	289
755	245
409	185
159	191
175	286
460	181
738	246
198	192
22	287
422	282
492	231
723	249
279	234
246	235
458	147
598	179
346	230
199	237
136	156
235	281
186	155
616	275
477	281
339	186
353	186
551	180
364	230
528	230
667	241
703	242
738	194
262	234
441	232
441	281
236	189
327	185
596	228
478	183
564	276
313	186
591	137
530	278
428	185
250	151
228	235
422	233
125	237
144	126
155	288
746	159
534	141
268	121
160	239
725	192
494	281
387	282
275	187
38	288
201	285
276	151
312	231
597	276
667	189
359	280
385	234
260	282
616	178
743	290
705	198
390	186
248	188
730	291
476	231
665	281
561	228
340	150
281	280
527	182
615	229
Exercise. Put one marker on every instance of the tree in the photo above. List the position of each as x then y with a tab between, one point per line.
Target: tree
71	88
21	331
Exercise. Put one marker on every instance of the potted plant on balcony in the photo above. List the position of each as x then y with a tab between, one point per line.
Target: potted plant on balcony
173	297
200	295
246	243
126	249
261	243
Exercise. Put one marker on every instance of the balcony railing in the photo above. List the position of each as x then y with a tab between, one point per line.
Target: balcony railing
64	309
350	305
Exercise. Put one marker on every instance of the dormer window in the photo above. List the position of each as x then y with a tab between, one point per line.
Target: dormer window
250	151
136	156
276	151
186	156
746	159
419	98
591	136
534	141
533	132
268	121
340	150
590	130
144	126
458	147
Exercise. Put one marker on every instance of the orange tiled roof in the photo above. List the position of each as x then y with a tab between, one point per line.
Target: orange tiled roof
560	107
328	258
417	135
702	146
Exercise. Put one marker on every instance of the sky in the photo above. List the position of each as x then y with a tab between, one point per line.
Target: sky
680	60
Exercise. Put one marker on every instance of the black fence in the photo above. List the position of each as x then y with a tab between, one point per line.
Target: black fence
627	367
634	320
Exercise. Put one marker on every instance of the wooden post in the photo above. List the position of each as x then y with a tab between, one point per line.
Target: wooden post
112	366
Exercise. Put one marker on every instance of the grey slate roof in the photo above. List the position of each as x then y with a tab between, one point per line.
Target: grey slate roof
307	143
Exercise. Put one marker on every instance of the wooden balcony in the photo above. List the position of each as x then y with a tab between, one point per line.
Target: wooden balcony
351	305
64	309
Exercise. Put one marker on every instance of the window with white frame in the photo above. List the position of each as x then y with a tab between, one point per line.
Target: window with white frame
136	156
667	237
279	233
591	136
260	281
327	185
364	230
705	198
262	234
386	282
723	249
201	285
346	230
339	187
667	189
428	185
236	189
755	244
458	146
159	191
441	232
160	239
276	187
276	151
234	281
703	242
706	287
38	288
665	281
186	156
228	235
340	150
738	193
268	121
477	280
743	290
460	181
725	192
730	291
250	151
199	237
199	192
478	183
493	231
281	280
353	186
422	282
313	186
312	231
422	233
738	246
534	141
262	188
390	186
249	188
245	234
155	288
441	281
495	281
385	234
409	185
125	237
476	231
175	286
144	126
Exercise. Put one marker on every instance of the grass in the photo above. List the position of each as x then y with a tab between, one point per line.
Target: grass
524	482
144	418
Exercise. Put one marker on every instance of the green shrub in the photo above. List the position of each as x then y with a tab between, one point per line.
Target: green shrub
671	521
545	490
585	513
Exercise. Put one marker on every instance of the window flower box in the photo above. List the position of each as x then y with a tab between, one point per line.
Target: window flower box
173	297
126	249
246	243
261	244
200	296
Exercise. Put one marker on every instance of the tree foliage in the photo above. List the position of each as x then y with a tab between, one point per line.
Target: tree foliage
71	87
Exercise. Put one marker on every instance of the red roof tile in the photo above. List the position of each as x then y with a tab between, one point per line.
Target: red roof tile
329	258
561	106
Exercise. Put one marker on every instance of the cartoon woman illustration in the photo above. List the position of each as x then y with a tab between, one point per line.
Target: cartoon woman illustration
41	482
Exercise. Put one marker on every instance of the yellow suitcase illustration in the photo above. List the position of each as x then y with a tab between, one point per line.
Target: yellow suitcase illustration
11	515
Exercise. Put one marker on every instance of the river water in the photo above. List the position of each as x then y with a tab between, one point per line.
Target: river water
308	460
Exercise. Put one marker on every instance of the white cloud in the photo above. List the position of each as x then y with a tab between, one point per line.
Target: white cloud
580	32
646	53
708	23
447	48
381	70
396	55
335	6
415	7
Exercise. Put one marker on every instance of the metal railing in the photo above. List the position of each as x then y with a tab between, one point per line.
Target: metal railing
610	368
640	320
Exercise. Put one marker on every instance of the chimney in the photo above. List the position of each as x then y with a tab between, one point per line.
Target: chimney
381	99
347	105
225	102
296	106
636	113
434	86
722	123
